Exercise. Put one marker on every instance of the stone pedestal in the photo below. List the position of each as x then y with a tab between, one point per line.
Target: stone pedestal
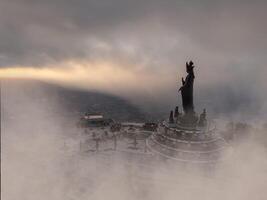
188	120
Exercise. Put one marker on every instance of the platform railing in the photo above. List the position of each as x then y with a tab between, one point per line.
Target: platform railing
208	129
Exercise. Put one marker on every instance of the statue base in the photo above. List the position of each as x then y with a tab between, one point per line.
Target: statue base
188	120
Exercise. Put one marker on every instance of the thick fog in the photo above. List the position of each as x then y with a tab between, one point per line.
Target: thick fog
41	160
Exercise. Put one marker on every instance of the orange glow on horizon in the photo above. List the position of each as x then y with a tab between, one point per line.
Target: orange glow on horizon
102	76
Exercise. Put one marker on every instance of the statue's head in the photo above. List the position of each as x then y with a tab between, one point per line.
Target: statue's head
189	66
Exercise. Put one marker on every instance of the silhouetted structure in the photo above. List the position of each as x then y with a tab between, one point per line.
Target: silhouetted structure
185	137
187	89
171	120
202	119
176	112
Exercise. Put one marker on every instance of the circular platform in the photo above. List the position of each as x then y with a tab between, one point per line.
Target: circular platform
185	144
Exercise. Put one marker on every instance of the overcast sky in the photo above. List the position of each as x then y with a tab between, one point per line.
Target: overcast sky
139	46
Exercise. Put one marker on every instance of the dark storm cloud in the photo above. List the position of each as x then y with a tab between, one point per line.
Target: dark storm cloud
43	31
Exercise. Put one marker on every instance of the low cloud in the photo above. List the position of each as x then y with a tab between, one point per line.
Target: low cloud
41	159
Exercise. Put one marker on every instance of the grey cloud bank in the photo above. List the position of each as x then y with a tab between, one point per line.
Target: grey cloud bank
43	31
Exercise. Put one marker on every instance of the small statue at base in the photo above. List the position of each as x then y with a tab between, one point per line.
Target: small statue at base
171	120
202	119
176	114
